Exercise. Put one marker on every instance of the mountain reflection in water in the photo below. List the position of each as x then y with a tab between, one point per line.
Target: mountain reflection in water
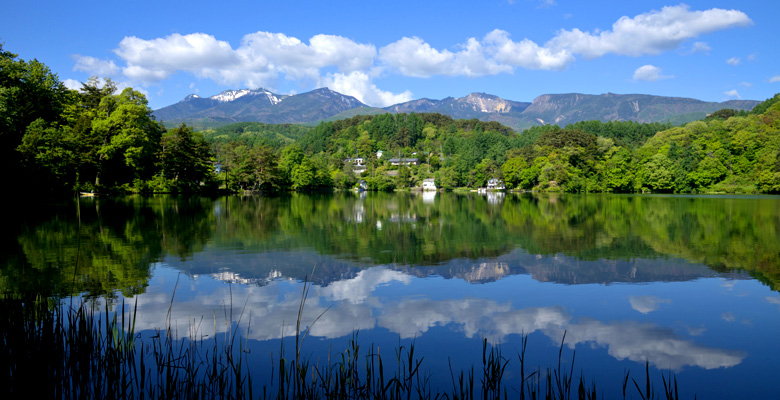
685	283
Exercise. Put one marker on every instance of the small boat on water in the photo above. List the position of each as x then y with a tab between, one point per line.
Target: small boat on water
87	194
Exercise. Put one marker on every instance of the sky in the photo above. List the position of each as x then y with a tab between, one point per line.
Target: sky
386	52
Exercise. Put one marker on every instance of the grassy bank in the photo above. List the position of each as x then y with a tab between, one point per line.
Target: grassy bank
72	351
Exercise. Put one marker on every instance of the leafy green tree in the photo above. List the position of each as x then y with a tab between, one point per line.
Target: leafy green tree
49	155
659	173
291	157
446	178
129	136
403	178
512	170
29	91
619	170
186	159
302	176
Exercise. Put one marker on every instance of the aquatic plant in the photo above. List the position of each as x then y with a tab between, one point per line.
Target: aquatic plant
75	351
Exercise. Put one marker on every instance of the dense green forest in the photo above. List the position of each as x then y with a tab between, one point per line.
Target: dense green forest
113	243
59	141
55	141
729	151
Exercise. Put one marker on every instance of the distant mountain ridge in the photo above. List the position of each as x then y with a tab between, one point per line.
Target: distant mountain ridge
261	105
258	105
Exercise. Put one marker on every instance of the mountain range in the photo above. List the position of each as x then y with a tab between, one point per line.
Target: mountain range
261	105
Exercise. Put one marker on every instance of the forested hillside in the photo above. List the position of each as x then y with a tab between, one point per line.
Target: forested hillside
61	141
730	151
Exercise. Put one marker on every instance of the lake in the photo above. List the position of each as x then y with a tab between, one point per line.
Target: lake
688	284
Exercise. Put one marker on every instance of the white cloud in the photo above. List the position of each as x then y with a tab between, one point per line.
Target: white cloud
649	73
733	61
495	53
646	304
157	59
297	59
359	85
72	84
648	33
95	66
728	317
733	93
262	59
700	47
526	53
774	79
414	57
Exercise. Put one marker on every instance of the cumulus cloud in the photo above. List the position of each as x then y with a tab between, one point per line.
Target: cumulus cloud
72	84
258	61
360	86
649	73
414	57
526	53
158	59
262	59
297	59
649	33
493	54
774	79
733	61
733	93
95	66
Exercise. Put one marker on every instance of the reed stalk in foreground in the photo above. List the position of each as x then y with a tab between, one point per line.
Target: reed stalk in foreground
76	352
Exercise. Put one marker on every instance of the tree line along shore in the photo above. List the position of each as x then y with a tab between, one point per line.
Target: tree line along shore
57	141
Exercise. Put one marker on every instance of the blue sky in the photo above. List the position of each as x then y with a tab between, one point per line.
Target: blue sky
392	51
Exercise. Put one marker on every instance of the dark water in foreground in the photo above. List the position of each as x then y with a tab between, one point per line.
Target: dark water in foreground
688	284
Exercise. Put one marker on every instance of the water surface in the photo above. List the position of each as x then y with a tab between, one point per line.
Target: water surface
688	284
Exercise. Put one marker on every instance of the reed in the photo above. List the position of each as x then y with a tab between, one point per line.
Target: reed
79	352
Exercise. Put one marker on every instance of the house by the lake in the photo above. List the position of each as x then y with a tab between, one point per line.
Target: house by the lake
429	185
495	184
354	161
404	161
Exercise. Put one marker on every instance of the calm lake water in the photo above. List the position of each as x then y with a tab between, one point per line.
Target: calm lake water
687	283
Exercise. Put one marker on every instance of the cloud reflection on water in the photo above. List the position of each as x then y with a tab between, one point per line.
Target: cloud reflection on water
646	304
354	305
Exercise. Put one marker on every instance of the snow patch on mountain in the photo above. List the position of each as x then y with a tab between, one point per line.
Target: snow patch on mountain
273	99
230	95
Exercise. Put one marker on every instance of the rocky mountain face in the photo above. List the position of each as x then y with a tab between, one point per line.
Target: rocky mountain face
474	105
562	109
